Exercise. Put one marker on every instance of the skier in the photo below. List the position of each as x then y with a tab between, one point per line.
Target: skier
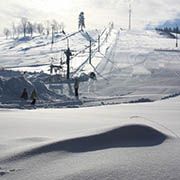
92	82
33	97
92	75
24	94
76	87
81	21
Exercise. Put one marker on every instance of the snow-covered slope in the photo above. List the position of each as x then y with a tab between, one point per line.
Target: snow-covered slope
170	23
32	53
139	64
127	141
137	141
132	66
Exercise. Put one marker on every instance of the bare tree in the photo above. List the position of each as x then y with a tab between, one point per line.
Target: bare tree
55	25
40	28
30	28
25	27
47	27
35	25
7	32
14	30
24	22
61	27
52	41
19	29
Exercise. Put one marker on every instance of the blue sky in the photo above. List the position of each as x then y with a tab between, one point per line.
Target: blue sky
97	12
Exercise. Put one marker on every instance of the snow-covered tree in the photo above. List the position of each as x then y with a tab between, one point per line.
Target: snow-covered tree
47	27
61	26
14	30
30	28
40	28
81	21
176	29
24	22
25	27
7	32
55	25
19	29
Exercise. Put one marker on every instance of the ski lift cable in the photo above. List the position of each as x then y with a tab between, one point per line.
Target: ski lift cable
93	54
99	73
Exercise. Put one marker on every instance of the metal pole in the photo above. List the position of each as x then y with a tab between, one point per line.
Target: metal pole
52	42
99	42
51	69
52	35
68	63
106	36
176	37
130	11
67	42
90	51
68	54
68	66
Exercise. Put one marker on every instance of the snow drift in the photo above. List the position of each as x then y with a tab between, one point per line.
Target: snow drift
12	87
126	136
87	143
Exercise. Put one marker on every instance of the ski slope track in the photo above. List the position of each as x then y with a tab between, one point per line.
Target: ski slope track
132	66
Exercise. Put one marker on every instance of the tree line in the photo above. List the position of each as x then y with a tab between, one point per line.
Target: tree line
25	27
169	29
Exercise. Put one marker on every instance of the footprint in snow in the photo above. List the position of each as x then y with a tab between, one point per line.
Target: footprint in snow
4	171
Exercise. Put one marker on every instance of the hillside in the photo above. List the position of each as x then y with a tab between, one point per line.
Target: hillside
132	66
129	128
170	23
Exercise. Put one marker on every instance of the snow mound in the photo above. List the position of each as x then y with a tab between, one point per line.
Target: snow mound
44	93
126	136
12	88
24	39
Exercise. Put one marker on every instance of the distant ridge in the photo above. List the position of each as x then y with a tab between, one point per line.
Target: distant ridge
170	23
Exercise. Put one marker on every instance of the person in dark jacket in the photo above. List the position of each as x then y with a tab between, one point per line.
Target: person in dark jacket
33	97
76	87
24	94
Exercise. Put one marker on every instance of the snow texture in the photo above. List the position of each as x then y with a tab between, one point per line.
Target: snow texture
131	65
138	138
111	142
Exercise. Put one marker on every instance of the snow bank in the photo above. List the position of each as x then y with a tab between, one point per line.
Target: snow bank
12	85
128	67
109	142
12	88
126	136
